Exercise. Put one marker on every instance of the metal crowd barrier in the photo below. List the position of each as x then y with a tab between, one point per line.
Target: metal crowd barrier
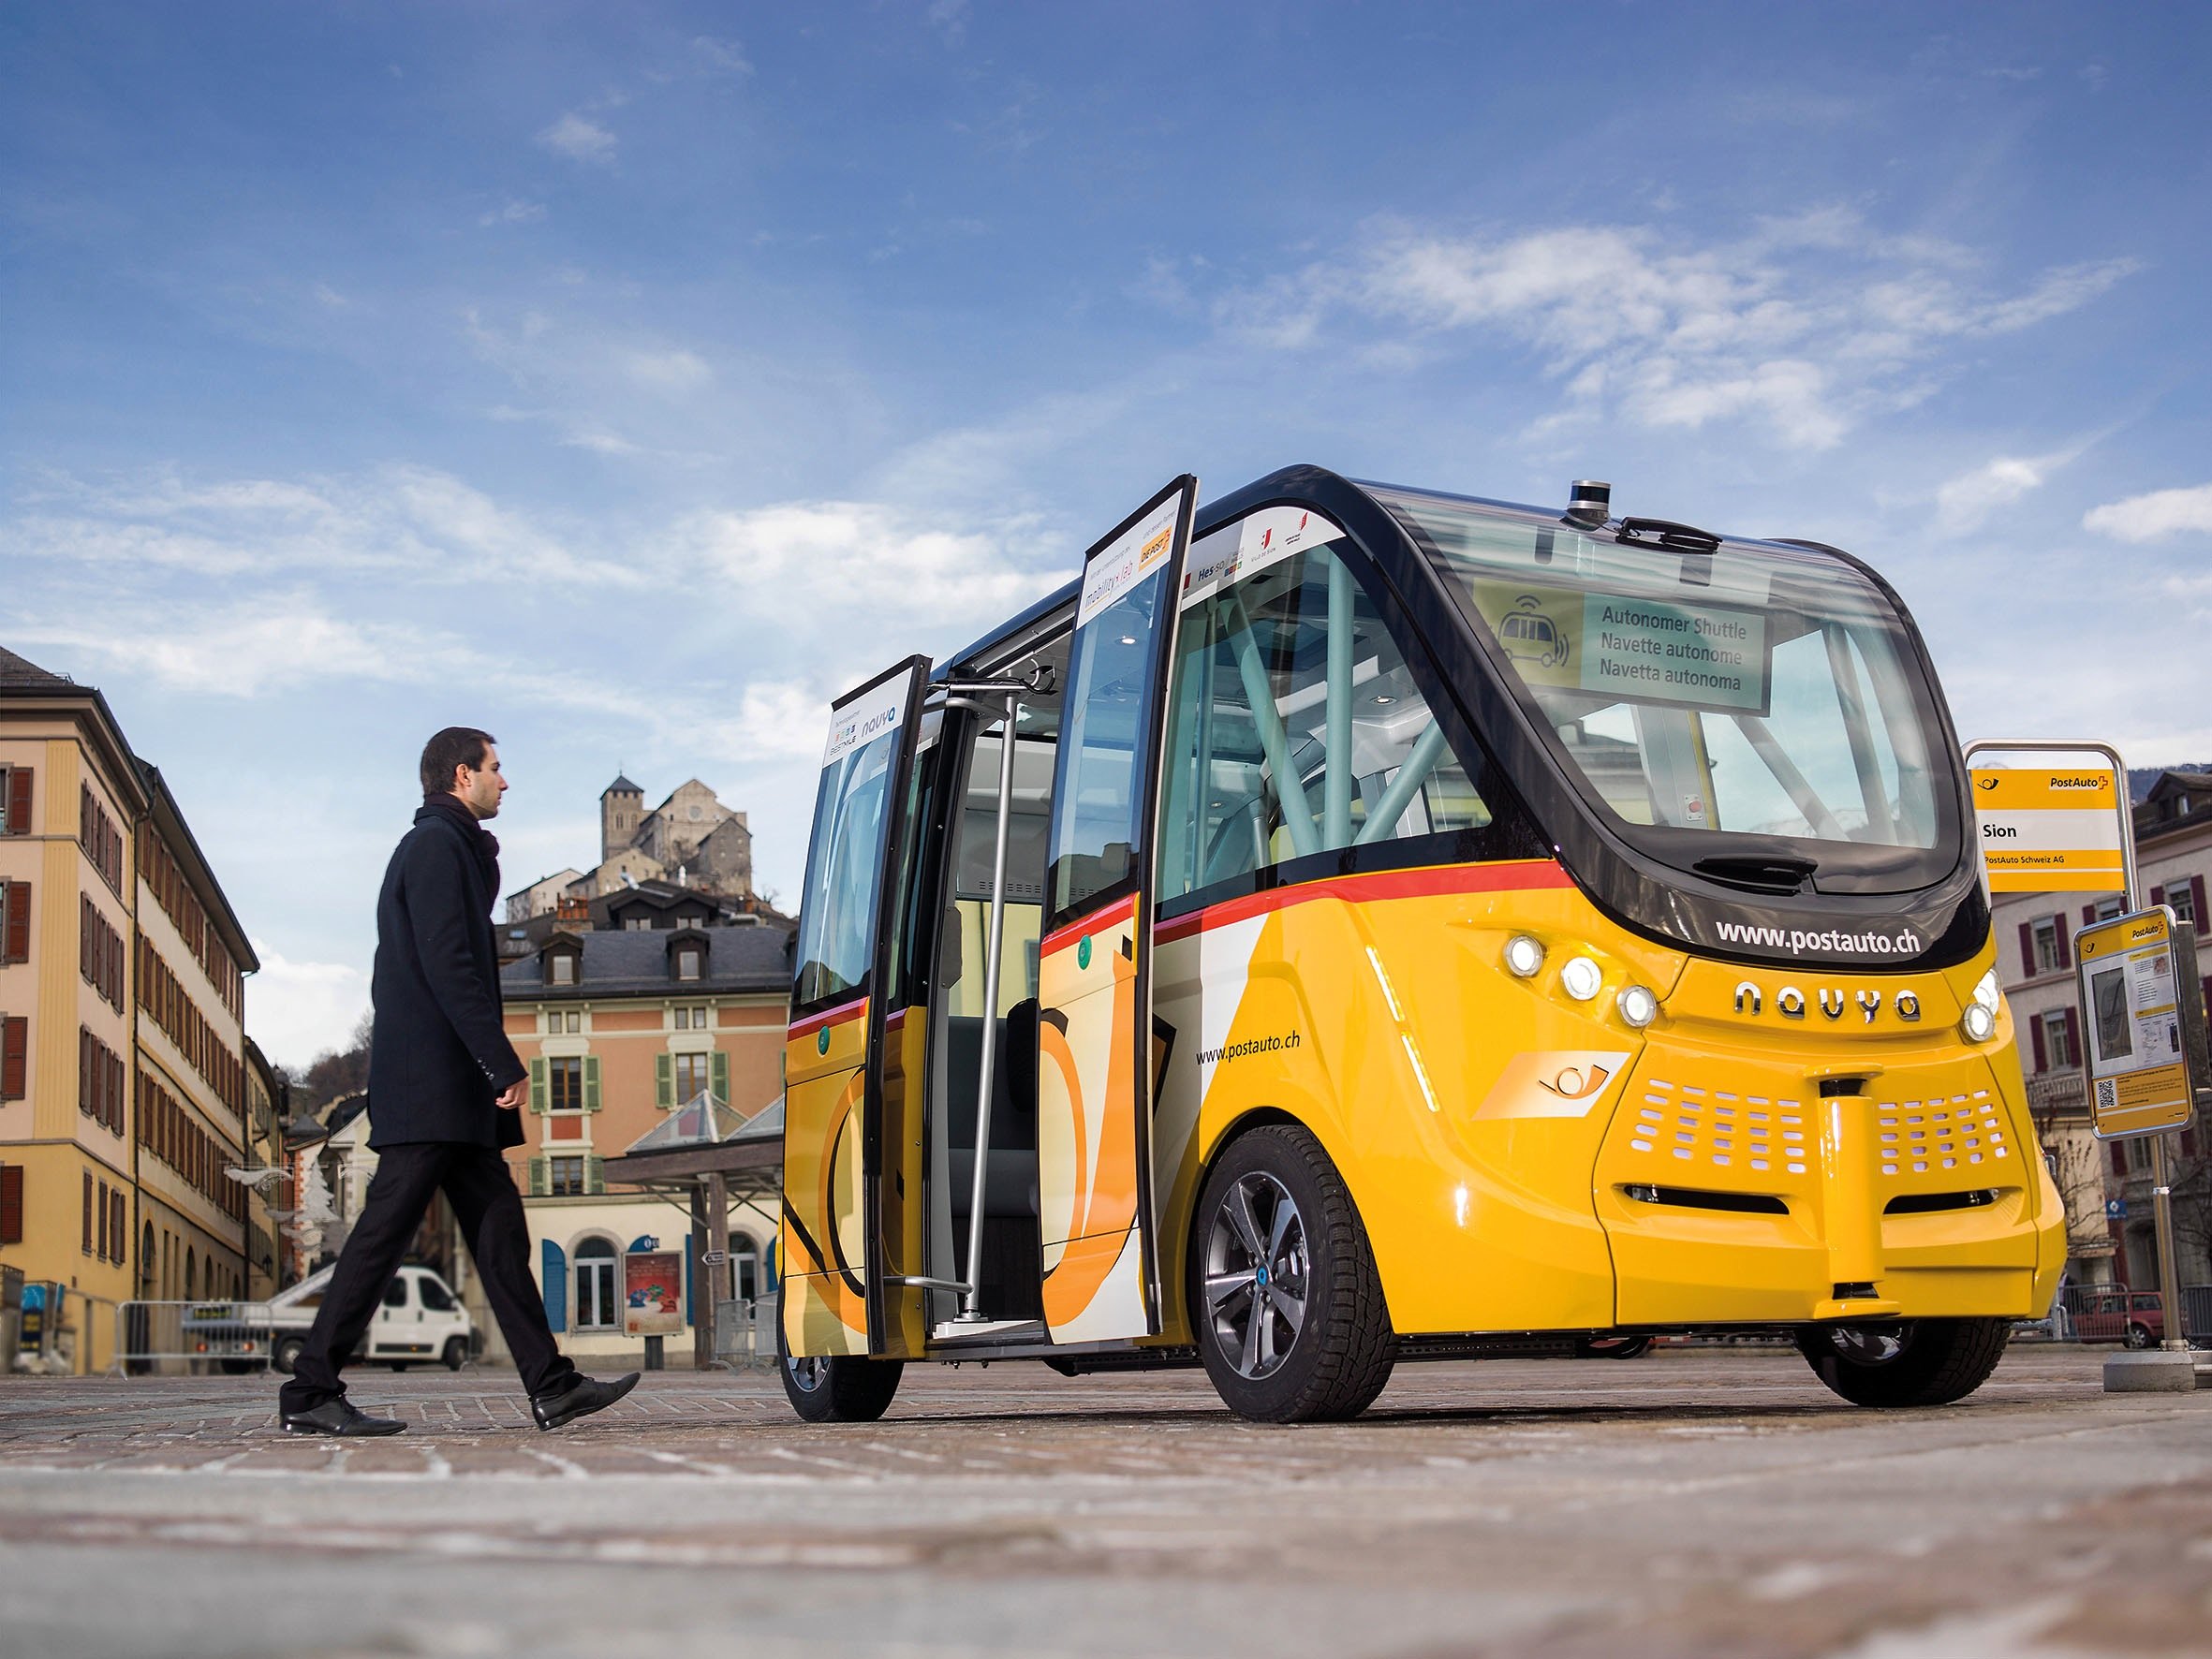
191	1339
744	1331
2117	1314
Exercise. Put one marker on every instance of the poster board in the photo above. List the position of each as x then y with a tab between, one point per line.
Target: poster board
2142	1022
652	1293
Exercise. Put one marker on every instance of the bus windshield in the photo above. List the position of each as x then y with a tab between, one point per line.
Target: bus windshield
1753	712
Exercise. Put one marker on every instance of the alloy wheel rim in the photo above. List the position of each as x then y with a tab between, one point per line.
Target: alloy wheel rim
807	1371
1257	1275
1870	1344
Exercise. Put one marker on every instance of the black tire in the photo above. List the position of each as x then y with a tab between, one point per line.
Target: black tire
840	1389
285	1353
2138	1335
1613	1347
1340	1345
401	1364
456	1354
238	1368
1934	1361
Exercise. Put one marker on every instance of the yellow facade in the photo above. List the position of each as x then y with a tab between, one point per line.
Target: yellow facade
92	1195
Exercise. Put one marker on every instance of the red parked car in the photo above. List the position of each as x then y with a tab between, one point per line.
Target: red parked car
2135	1317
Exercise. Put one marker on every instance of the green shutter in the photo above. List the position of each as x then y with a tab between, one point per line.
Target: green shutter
664	1080
537	1185
591	1082
594	1179
539	1090
720	1067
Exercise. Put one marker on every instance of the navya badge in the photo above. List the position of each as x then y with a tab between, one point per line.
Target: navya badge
1834	1002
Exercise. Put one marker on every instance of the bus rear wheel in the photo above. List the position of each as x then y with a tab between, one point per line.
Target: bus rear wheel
1284	1293
836	1389
1915	1362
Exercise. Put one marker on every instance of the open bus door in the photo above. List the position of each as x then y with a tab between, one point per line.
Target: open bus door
1096	1065
841	1215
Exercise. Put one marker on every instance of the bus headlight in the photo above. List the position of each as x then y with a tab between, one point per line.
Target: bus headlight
1582	979
1638	1006
1524	956
1979	1023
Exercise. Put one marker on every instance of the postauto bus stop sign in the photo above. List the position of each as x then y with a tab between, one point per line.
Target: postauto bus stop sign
2051	831
2137	982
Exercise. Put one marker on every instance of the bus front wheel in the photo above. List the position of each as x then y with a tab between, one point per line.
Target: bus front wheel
1914	1363
836	1389
1284	1292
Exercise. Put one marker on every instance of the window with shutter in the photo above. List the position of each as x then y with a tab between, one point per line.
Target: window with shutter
15	802
538	1177
664	1080
539	1095
118	1235
15	941
594	1179
11	1203
87	1245
15	1046
591	1083
721	1068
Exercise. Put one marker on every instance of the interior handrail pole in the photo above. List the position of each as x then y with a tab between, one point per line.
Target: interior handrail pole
971	1310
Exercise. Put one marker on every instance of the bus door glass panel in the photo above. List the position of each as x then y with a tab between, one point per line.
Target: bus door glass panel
833	1099
899	1065
1095	1051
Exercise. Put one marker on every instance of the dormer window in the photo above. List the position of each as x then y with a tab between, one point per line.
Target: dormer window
560	967
690	960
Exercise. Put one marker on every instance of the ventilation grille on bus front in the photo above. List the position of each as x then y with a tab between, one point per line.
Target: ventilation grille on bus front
1928	1203
1919	1135
1686	1198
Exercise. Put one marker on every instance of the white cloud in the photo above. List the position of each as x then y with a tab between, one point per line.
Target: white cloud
2153	517
1964	502
579	139
297	1010
414	520
514	212
1806	325
726	55
948	17
668	370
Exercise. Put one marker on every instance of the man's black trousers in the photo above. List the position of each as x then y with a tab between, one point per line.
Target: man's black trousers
482	1193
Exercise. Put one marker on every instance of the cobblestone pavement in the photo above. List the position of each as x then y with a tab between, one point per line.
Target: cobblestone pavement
1707	1502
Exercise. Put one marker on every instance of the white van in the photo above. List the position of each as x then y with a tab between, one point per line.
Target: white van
421	1323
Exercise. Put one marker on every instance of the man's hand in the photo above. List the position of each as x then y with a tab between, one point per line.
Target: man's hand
516	1091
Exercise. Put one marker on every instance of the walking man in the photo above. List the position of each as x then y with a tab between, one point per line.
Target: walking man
446	1091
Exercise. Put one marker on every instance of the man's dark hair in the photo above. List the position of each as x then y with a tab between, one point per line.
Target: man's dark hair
457	745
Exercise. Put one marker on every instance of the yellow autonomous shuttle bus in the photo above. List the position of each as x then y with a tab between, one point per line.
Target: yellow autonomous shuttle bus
1355	924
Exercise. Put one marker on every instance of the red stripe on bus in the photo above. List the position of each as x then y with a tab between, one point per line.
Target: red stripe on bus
1522	875
836	1016
1060	938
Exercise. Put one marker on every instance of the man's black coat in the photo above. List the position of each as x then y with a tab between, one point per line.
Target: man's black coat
439	1055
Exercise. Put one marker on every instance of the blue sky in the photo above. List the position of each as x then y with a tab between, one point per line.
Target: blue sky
630	380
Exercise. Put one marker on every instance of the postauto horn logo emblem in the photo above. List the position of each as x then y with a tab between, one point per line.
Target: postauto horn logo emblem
1833	1002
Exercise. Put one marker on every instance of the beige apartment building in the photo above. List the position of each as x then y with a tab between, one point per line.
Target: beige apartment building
122	1074
619	1027
2106	1186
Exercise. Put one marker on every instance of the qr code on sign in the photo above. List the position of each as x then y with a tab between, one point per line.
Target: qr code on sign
2108	1093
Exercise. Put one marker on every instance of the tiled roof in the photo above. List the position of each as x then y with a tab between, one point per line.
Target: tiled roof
622	785
21	672
746	958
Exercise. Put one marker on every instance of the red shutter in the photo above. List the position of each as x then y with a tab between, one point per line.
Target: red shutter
116	1229
2119	1157
2027	948
11	1203
17	947
84	1071
2035	1036
2197	891
88	1213
2059	932
15	1046
2158	896
2088	914
2073	1035
19	800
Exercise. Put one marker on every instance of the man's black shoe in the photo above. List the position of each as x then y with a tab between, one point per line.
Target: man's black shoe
579	1399
338	1416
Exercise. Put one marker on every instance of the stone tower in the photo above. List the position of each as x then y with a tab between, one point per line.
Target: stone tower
622	804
